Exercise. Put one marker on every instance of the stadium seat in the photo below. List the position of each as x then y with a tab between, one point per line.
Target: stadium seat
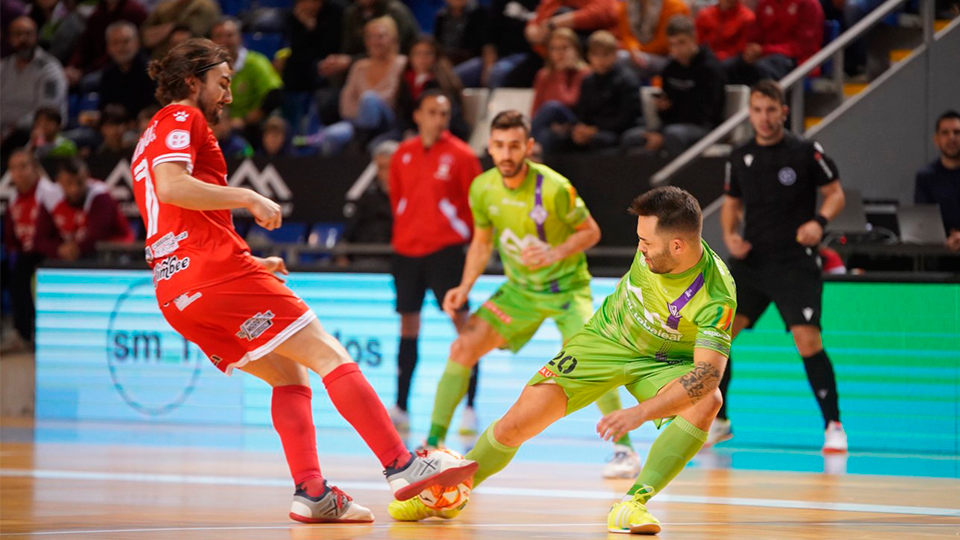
322	234
294	232
474	100
263	42
501	99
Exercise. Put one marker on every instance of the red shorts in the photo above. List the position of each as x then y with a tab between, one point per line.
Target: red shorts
240	320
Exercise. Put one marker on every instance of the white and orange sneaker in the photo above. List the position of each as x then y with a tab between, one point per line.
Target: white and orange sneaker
834	439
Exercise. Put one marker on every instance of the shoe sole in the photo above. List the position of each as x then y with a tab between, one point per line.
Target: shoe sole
646	528
723	439
304	519
448	478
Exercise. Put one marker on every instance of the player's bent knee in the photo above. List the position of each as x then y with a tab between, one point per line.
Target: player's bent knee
464	351
712	402
510	432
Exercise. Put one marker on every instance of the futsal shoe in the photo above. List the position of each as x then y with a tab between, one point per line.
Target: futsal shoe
834	439
625	463
720	431
333	506
414	510
468	422
427	469
632	517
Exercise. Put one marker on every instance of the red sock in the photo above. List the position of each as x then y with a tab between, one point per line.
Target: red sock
293	420
356	401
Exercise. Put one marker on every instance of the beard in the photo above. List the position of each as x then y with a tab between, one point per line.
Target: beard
661	263
210	110
509	169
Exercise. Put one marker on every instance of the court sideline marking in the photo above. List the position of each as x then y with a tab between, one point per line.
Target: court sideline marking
51	474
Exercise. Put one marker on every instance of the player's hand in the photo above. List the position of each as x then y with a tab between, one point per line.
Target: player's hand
809	234
334	64
274	265
737	246
266	212
618	423
454	299
953	241
538	256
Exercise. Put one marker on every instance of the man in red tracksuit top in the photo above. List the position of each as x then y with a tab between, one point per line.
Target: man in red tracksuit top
724	28
784	34
430	178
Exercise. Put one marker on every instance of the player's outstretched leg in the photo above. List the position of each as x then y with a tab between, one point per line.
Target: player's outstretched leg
476	339
625	462
670	453
538	407
359	405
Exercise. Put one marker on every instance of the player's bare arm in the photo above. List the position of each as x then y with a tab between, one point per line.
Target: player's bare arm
731	215
810	233
273	264
540	255
478	255
177	187
673	399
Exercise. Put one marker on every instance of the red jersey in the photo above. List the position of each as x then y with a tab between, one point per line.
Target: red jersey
793	28
725	31
187	249
429	194
99	219
29	224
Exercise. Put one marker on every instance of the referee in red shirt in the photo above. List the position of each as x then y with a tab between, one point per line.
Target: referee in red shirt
430	178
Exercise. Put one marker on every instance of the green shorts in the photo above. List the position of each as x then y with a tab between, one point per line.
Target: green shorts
516	313
590	365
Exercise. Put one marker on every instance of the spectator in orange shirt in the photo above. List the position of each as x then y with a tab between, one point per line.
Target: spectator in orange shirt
556	89
643	33
723	27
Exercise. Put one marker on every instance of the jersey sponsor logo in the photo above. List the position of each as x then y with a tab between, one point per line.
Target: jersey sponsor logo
652	322
712	333
787	176
545	372
181	116
185	300
498	313
178	139
807	313
514	246
168	268
255	326
510	202
493	210
748	160
166	245
406	158
443	167
149	135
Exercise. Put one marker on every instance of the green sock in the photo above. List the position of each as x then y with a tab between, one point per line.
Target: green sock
670	453
608	403
491	455
451	389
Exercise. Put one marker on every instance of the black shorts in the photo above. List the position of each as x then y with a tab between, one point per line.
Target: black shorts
440	271
794	284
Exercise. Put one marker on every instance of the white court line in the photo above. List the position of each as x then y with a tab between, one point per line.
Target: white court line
47	474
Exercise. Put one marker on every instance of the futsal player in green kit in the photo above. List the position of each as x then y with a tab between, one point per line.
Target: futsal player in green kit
542	228
664	334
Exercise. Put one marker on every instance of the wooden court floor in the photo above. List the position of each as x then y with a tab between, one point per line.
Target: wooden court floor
126	491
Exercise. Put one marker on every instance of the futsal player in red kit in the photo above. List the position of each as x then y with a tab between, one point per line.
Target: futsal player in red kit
213	292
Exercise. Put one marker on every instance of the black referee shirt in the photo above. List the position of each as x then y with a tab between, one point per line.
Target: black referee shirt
778	186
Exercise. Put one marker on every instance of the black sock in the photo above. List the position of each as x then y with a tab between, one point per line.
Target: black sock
824	384
472	388
406	363
724	384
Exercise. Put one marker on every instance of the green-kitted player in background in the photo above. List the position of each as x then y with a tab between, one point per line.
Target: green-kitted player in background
664	334
541	227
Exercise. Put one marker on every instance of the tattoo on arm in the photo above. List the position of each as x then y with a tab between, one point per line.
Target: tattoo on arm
701	381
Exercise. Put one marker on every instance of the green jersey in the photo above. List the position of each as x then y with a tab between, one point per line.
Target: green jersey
665	317
545	209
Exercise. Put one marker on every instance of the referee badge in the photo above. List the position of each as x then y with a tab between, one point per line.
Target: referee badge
787	176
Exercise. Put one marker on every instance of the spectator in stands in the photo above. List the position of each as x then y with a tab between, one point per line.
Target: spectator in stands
723	27
91	52
315	28
370	218
459	28
59	25
426	69
28	232
46	140
255	87
143	119
643	33
274	143
115	127
693	92
369	96
125	81
556	89
29	79
355	20
939	182
506	58
178	35
783	35
430	178
609	103
9	10
582	16
198	15
86	214
233	145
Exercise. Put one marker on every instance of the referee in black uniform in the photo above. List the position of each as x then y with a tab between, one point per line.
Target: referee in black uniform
771	185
